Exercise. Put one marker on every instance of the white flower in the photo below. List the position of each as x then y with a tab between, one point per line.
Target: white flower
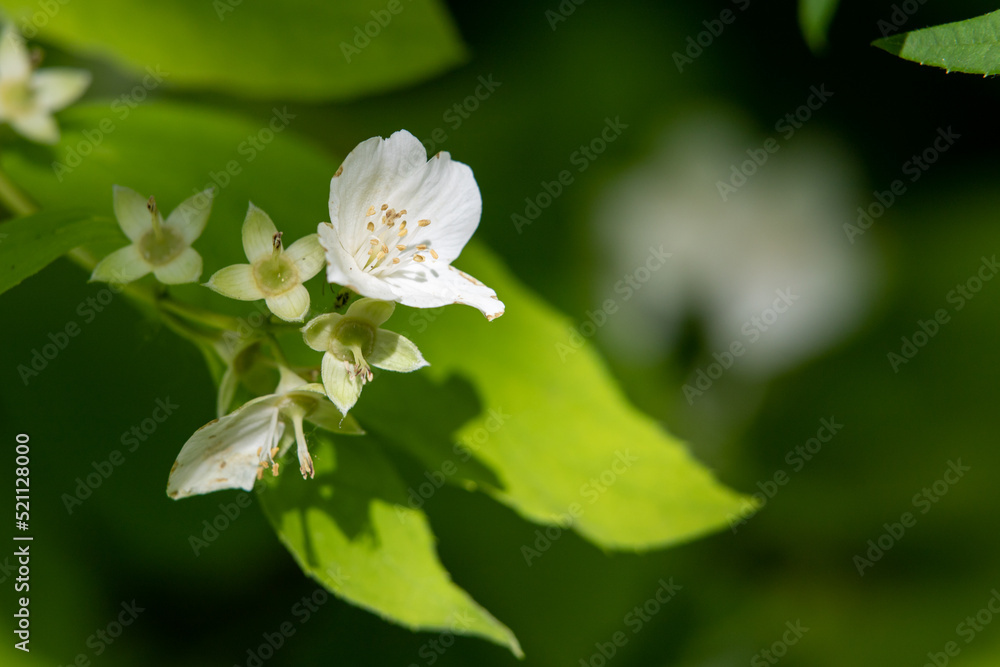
397	222
163	247
232	452
27	97
354	340
273	274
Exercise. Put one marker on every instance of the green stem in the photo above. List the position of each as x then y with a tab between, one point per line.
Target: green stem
14	199
195	314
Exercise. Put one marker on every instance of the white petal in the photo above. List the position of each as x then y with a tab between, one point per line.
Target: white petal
308	256
258	234
130	209
393	352
121	267
368	175
343	270
444	192
291	306
14	61
225	453
39	126
191	216
185	268
57	87
236	282
374	311
341	385
317	334
432	286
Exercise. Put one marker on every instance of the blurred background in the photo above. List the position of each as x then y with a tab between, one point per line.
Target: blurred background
767	265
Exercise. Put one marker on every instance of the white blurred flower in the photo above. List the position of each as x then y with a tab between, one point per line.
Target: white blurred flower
29	97
160	246
398	221
731	260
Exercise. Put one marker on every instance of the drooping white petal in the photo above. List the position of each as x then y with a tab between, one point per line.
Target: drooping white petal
291	306
342	269
58	87
433	286
225	453
121	267
185	268
373	311
258	234
39	126
191	216
445	193
340	383
132	212
318	333
236	282
14	60
368	175
393	352
308	256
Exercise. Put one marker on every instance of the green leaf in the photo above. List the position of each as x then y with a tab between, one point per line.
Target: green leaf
538	422
351	529
815	17
550	424
971	46
29	244
294	49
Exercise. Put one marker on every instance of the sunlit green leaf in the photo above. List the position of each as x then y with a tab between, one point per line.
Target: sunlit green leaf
290	49
350	529
29	244
971	46
560	441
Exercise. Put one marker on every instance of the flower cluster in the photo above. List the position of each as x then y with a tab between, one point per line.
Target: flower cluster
397	222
